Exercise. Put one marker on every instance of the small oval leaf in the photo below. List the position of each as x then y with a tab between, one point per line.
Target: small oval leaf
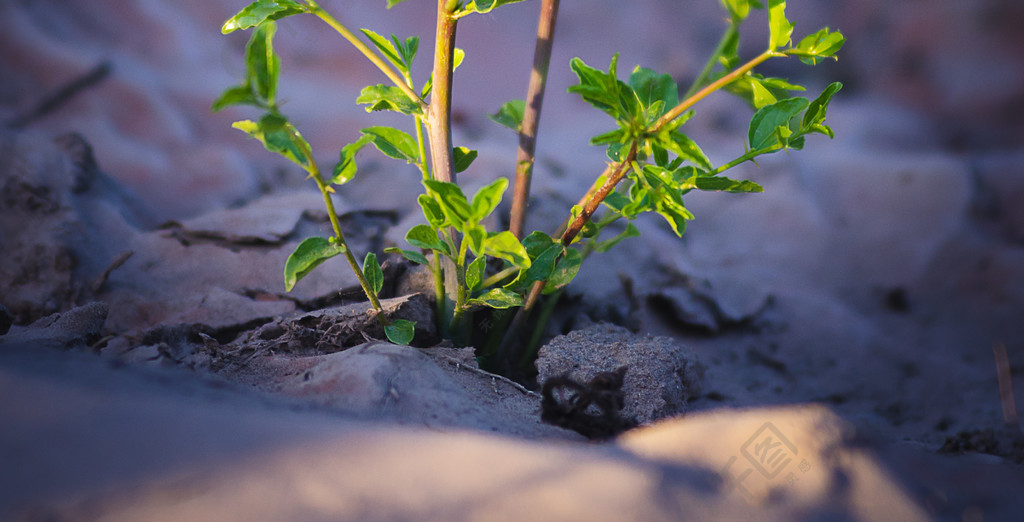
372	272
308	255
400	331
257	12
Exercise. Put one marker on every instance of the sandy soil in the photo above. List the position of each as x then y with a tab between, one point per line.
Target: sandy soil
852	318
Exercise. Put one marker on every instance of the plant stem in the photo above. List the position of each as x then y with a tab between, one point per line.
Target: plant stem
374	58
513	352
533	343
439	116
325	191
438	122
460	299
730	33
498	277
531	117
595	200
710	88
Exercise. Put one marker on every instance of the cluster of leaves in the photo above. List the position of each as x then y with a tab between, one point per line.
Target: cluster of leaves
656	163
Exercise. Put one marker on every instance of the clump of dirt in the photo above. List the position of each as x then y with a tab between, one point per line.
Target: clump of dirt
661	379
592	409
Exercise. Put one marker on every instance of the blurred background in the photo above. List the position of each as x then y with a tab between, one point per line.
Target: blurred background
935	75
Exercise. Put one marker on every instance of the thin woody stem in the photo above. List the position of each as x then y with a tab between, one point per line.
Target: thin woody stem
438	118
439	128
730	33
367	52
513	352
531	117
595	200
710	88
325	191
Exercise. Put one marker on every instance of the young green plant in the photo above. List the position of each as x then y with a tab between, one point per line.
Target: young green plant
652	163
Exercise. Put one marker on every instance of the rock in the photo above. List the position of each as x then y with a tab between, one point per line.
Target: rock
800	457
715	305
379	380
75	328
660	379
64	221
267	220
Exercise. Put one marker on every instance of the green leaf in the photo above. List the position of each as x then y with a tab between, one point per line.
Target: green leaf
431	210
262	65
392	3
497	298
761	95
458	55
407	49
765	122
676	215
482	6
372	272
564	271
411	255
702	181
258	12
277	135
815	47
422	236
616	136
463	158
238	95
606	245
818	108
394	143
475	272
604	91
739	9
488	198
308	255
382	97
614	151
651	87
542	266
616	201
504	245
686	148
475	236
400	331
510	115
346	167
451	201
387	48
781	31
536	243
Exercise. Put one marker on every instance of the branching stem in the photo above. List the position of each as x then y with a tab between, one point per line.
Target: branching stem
730	33
678	110
325	191
374	58
531	116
